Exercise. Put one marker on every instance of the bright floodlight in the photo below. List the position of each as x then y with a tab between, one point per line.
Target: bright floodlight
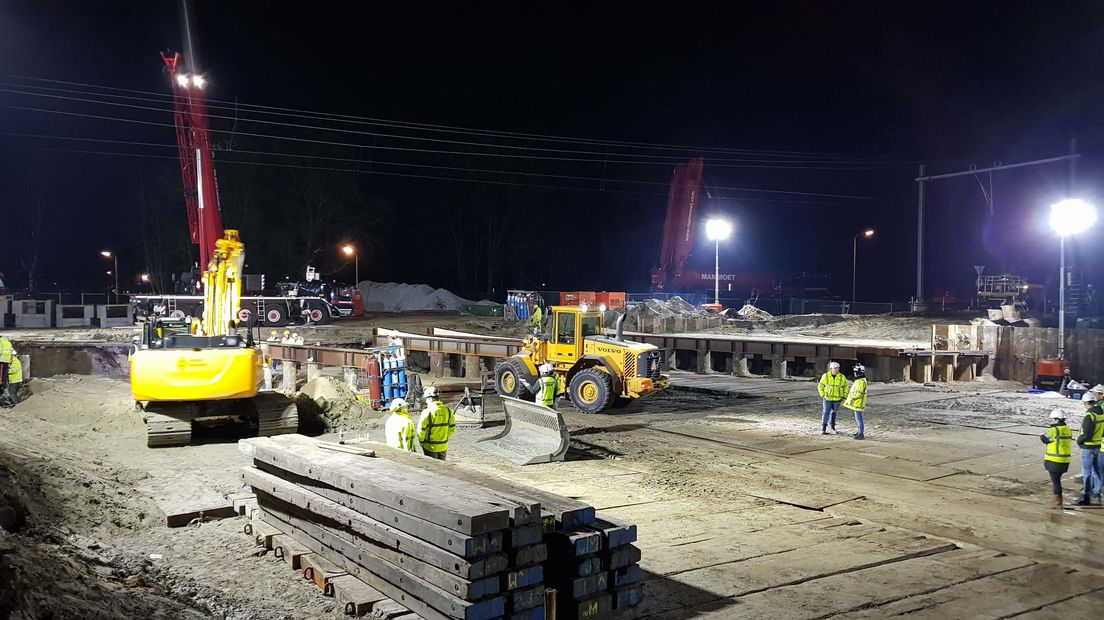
145	277
1071	216
106	253
199	81
350	250
869	232
717	229
182	80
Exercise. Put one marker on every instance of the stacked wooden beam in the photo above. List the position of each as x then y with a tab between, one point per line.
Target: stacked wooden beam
594	568
443	542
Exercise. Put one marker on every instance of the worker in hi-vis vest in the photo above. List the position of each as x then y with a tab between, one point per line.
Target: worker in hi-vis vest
436	424
547	388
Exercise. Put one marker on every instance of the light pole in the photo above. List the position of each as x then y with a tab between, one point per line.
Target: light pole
351	251
1067	217
869	232
717	230
115	257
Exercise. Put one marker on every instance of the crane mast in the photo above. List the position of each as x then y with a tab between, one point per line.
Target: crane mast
679	224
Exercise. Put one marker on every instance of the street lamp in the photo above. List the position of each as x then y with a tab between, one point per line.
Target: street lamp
351	251
1067	217
869	232
115	257
717	230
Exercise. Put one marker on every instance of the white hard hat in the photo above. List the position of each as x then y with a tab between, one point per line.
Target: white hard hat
1057	414
1087	397
397	404
546	369
430	392
1099	389
833	365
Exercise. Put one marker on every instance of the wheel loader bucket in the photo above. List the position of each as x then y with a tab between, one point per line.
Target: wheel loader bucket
533	434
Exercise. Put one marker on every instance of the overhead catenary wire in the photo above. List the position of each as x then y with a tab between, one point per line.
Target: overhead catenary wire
662	159
276	110
432	167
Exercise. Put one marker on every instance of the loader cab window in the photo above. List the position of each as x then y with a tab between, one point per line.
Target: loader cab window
592	326
565	328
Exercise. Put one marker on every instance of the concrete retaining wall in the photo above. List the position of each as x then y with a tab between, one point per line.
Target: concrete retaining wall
1016	349
51	358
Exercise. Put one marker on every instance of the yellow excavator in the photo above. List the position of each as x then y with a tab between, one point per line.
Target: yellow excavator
190	368
596	370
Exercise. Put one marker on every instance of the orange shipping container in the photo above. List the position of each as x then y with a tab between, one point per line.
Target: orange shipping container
577	298
613	301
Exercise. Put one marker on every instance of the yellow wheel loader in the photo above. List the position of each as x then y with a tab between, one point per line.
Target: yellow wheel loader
184	369
595	370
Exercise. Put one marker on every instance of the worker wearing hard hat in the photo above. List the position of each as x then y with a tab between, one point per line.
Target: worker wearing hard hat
1089	440
1056	459
535	320
436	425
399	430
547	388
833	389
1098	393
856	399
12	391
7	353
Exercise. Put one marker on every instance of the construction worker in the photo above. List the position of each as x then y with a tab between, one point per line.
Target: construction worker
399	430
7	353
547	388
436	424
12	393
1057	458
833	389
535	320
1092	431
856	398
1098	393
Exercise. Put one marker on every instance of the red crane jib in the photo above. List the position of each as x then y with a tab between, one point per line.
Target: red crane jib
680	224
197	166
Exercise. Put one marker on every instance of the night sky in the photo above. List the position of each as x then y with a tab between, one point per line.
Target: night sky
831	105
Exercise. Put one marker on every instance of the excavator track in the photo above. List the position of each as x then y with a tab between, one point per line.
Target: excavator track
276	414
170	423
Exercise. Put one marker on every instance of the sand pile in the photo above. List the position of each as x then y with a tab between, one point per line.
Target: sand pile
398	297
327	404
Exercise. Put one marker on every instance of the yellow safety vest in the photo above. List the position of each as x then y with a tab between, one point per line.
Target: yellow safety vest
400	432
15	370
1098	430
856	399
549	387
535	320
6	351
1058	450
832	387
435	426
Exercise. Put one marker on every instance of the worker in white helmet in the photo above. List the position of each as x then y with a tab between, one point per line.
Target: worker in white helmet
1056	460
833	389
399	431
436	425
1089	440
1098	392
547	387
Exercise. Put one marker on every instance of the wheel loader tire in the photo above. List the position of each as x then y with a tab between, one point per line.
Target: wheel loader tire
508	377
591	390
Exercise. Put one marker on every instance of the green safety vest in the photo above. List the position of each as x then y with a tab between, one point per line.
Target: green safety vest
400	431
1098	430
856	399
832	388
549	387
435	426
6	351
15	370
1058	449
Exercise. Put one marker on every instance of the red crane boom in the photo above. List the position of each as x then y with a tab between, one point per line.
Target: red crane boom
679	225
197	166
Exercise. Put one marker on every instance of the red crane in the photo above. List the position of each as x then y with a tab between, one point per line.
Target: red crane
197	166
679	225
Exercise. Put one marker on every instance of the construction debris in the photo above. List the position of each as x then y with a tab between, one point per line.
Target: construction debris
399	297
441	542
755	314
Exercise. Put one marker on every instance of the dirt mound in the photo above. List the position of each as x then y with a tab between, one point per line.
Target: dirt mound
752	313
327	404
399	297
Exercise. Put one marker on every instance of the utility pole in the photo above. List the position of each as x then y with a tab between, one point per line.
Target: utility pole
918	300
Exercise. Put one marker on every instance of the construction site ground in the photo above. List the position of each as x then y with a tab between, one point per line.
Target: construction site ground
744	509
